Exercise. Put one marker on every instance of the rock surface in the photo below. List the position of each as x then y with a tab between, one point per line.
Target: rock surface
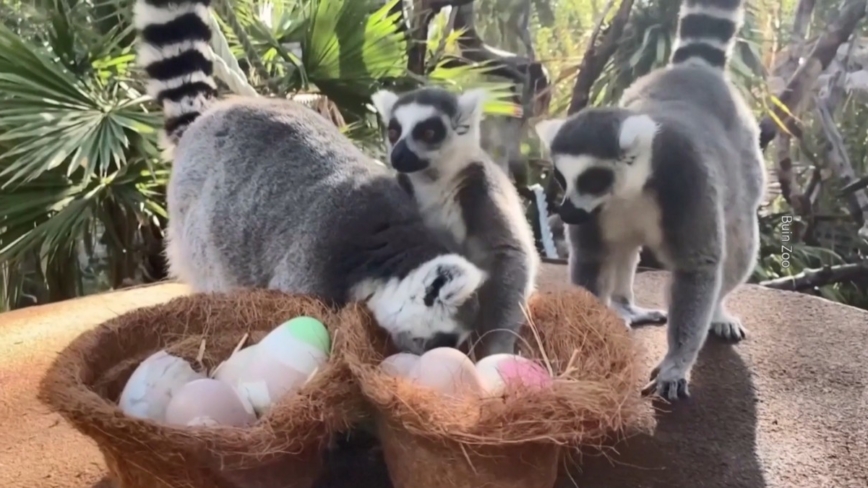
788	407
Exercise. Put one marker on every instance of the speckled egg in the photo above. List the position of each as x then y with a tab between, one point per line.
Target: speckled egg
153	383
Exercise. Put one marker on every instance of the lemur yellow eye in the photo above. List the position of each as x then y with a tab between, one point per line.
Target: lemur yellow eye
428	135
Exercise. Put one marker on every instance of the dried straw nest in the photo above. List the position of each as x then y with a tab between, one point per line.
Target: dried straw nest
281	449
514	441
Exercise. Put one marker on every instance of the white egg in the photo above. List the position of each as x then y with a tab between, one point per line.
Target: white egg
208	402
228	371
273	373
399	364
285	348
153	383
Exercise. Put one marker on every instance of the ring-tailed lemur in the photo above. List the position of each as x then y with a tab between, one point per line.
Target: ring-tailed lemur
434	144
268	193
676	168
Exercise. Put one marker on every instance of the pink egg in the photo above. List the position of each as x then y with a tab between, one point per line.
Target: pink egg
446	370
499	370
525	372
399	364
208	401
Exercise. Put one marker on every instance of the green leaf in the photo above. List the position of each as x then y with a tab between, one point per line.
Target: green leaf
349	47
77	155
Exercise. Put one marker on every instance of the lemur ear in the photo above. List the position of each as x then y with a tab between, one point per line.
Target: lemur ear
470	106
637	132
452	280
384	101
547	130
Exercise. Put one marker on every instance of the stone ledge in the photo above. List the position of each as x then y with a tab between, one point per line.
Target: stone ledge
788	407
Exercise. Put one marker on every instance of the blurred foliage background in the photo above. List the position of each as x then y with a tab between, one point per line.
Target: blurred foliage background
82	183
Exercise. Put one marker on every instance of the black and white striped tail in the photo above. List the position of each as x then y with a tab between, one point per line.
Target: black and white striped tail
174	37
706	31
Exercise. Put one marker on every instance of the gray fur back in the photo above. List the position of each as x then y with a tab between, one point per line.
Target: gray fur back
268	193
700	103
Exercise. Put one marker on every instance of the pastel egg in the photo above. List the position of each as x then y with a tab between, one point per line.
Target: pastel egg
446	370
153	384
400	364
229	371
305	329
523	371
498	370
267	378
289	351
208	402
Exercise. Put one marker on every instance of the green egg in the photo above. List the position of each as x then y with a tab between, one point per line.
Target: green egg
310	331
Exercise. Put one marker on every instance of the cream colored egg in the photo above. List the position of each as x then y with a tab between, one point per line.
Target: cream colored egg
400	364
208	401
229	371
153	383
448	371
267	379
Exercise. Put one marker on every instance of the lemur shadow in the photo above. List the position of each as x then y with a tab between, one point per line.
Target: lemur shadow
105	482
356	462
708	440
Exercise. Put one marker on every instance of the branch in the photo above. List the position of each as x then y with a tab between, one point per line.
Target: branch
827	275
789	188
596	56
836	150
417	38
519	69
823	53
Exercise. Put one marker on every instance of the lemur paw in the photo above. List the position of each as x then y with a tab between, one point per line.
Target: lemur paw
668	381
636	316
728	328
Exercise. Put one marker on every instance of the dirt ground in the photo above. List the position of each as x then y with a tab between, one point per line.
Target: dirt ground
787	408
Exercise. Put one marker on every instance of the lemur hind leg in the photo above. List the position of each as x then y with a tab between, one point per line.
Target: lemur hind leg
742	247
624	268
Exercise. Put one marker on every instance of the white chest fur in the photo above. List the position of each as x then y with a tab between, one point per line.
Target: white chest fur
632	222
440	208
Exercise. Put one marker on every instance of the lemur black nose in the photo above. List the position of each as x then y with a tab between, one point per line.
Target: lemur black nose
572	215
441	339
404	160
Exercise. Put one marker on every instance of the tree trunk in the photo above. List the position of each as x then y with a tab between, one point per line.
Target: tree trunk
596	56
803	80
785	70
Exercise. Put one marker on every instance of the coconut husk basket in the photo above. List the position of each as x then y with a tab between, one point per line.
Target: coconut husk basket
517	440
282	450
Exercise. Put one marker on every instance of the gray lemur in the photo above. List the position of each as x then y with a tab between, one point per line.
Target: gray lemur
434	144
268	193
675	168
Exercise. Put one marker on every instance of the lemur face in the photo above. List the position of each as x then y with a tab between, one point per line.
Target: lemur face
434	305
598	155
427	125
